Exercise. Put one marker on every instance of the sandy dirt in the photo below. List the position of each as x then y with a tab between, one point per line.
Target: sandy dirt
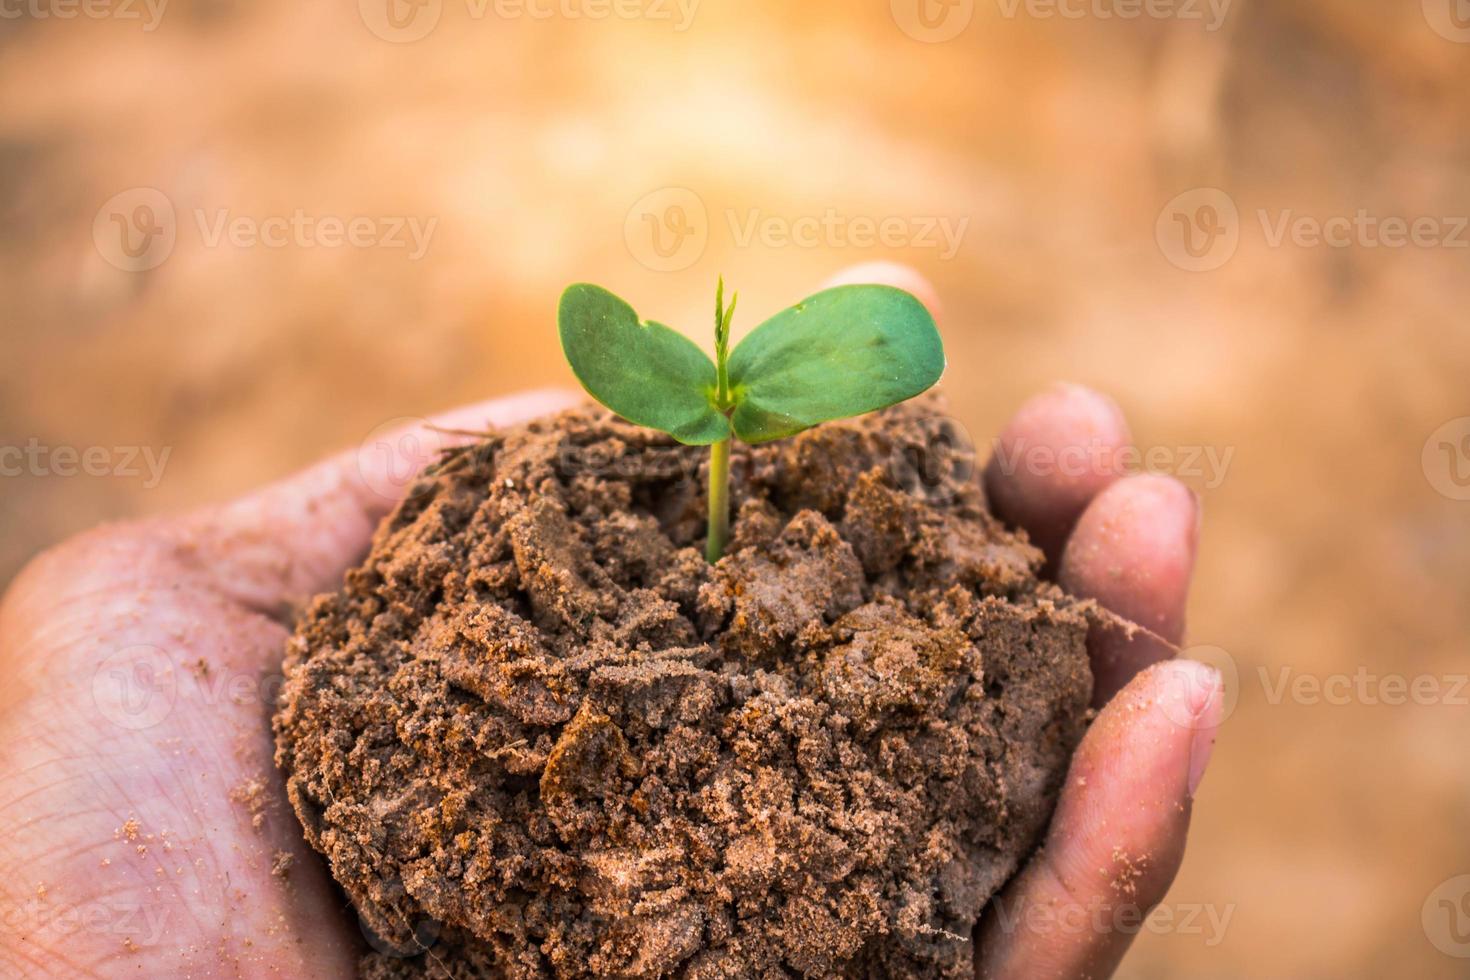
538	718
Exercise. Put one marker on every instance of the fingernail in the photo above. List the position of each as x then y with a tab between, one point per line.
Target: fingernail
1207	701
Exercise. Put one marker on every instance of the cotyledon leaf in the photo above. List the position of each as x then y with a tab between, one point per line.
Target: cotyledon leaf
643	371
843	352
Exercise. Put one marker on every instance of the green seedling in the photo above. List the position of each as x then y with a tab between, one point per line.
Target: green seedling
844	352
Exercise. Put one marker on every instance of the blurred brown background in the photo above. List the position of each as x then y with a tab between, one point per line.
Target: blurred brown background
636	149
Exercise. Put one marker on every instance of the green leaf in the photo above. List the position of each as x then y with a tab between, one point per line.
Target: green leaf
643	371
843	352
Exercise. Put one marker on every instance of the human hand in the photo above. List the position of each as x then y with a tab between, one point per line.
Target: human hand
134	842
146	827
1117	837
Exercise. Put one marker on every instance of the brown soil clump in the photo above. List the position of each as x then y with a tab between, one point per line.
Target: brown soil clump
539	735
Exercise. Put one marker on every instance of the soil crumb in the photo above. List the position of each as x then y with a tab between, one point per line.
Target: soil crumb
251	795
536	735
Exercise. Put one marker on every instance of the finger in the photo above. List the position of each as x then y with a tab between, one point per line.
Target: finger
1058	452
895	274
1133	551
292	539
1117	838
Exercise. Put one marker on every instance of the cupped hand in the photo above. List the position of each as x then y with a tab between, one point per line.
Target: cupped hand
146	828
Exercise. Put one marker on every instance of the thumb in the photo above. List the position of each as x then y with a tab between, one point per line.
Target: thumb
272	548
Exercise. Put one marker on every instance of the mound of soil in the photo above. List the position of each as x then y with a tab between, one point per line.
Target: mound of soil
536	735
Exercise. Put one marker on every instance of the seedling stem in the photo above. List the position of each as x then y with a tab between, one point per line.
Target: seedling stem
719	454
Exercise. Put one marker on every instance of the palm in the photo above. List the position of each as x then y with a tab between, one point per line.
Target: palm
147	831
